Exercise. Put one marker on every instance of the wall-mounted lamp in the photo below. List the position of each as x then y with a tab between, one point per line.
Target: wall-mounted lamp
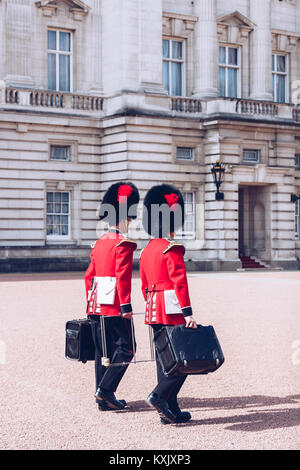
218	171
294	198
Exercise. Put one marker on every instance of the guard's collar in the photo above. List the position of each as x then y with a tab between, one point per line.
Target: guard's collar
114	230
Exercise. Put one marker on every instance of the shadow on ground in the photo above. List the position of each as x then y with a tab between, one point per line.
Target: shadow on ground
231	403
252	421
256	421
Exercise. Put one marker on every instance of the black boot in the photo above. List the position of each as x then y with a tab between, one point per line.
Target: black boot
181	417
109	399
104	407
161	407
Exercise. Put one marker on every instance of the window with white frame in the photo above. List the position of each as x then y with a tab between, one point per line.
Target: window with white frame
185	153
60	152
173	67
297	161
280	78
58	215
229	71
251	156
297	219
59	60
188	230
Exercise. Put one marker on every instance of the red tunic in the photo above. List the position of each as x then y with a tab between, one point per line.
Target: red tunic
162	272
111	256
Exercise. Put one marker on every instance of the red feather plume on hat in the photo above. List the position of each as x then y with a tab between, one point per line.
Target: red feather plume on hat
124	192
172	200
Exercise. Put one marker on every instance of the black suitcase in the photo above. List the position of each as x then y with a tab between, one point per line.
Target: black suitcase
79	341
188	350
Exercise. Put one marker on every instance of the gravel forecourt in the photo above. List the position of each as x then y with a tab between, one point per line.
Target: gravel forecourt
251	402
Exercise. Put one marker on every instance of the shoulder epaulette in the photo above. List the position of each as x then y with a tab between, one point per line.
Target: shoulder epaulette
93	244
126	240
171	244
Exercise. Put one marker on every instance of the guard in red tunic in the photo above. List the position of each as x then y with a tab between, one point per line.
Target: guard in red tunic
108	290
165	287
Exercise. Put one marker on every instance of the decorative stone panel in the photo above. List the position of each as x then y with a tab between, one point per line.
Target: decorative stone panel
177	25
77	9
284	41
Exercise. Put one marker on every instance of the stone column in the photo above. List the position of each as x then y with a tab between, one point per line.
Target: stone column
150	42
89	50
132	46
120	45
261	51
19	42
205	50
2	41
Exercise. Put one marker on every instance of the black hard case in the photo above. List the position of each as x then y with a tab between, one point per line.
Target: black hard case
184	350
79	341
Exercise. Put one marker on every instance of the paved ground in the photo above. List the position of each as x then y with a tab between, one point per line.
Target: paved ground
252	402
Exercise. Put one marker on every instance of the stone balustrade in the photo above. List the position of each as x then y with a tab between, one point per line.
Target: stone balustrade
256	107
87	102
53	100
240	106
296	114
11	96
223	105
185	105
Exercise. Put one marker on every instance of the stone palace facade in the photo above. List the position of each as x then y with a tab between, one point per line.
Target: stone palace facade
97	91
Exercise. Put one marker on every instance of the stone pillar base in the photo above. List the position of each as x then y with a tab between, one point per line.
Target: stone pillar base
43	265
207	94
288	265
212	265
22	81
261	96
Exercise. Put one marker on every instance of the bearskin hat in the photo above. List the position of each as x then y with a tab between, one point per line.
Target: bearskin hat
119	203
163	211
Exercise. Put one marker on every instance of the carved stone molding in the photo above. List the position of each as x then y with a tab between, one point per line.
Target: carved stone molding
260	173
178	25
234	28
284	41
78	10
289	2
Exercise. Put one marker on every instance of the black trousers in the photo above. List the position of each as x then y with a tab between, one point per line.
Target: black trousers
119	342
167	387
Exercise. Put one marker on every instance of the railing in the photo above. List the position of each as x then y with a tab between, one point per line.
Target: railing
185	105
87	102
192	105
53	99
47	99
11	96
256	107
296	114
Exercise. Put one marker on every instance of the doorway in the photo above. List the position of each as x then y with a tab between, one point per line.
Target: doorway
254	223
